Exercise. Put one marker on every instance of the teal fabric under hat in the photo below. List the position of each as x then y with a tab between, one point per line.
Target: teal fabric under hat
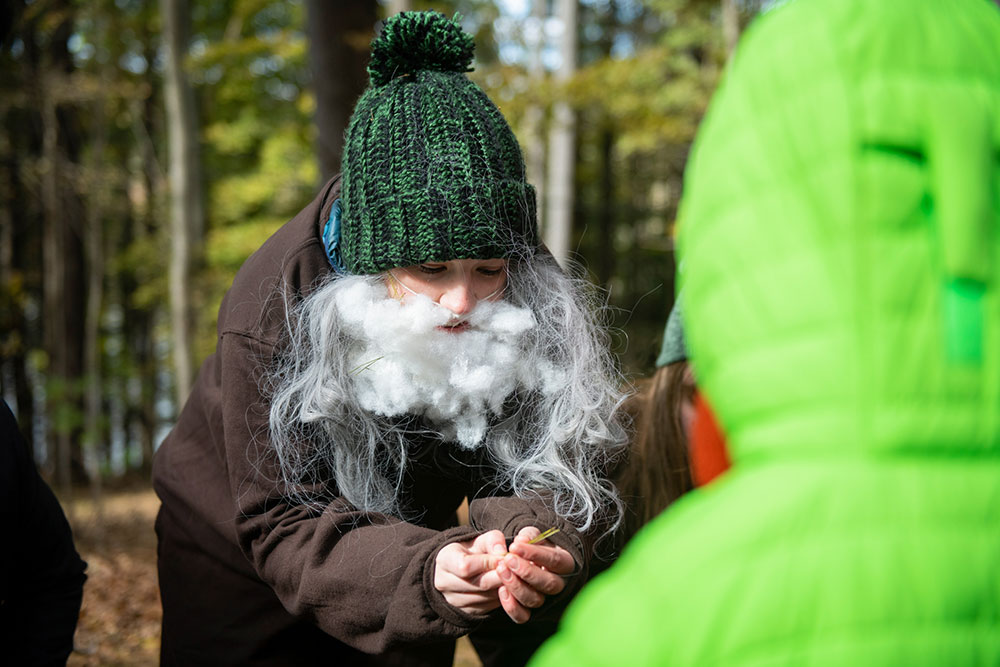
673	348
431	170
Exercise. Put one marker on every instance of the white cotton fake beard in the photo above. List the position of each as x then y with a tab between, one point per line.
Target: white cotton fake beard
401	363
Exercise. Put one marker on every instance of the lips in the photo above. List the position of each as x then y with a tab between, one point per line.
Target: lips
457	327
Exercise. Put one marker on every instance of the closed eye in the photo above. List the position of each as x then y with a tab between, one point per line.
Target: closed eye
490	272
429	268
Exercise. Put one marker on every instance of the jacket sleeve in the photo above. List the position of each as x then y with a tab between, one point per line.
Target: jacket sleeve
364	578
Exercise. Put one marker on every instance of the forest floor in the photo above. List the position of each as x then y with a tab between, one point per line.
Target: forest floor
120	618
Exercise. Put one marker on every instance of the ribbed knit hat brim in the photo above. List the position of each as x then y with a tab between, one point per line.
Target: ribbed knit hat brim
468	221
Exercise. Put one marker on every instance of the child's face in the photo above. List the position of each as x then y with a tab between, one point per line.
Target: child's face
457	285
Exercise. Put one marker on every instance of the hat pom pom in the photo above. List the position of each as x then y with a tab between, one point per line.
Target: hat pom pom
414	41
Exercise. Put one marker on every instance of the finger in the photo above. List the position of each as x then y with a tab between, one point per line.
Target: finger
550	557
527	534
488	581
447	582
455	559
473	603
522	591
459	571
514	609
538	578
491	546
491	542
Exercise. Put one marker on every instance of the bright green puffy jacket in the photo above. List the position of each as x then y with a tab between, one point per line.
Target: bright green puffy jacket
840	238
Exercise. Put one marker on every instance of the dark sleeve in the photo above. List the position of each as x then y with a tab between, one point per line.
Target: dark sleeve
41	573
364	578
500	642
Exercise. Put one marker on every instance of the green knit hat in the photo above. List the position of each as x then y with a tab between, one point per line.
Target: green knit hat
431	170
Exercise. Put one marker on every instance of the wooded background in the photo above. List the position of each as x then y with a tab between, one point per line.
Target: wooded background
150	147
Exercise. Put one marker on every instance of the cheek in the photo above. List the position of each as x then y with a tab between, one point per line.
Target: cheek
491	288
406	285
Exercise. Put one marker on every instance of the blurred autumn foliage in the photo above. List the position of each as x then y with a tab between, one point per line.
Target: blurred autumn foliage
87	335
86	338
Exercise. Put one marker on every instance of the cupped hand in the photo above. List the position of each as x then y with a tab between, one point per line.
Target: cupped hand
530	572
466	572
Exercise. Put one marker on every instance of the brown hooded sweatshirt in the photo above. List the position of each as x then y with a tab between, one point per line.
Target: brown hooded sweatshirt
249	577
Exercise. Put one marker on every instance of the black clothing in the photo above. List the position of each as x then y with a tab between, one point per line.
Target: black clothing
41	573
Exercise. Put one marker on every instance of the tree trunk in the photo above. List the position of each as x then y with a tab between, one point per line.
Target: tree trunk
20	250
54	255
10	308
65	301
730	25
397	6
606	209
94	430
186	206
559	211
339	35
534	117
50	202
140	329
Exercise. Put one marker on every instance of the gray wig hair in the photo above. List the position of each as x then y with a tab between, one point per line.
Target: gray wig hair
556	442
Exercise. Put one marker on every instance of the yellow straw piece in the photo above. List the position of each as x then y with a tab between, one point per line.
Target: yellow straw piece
545	535
363	367
394	285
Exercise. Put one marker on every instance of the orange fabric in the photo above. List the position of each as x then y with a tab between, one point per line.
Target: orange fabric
709	457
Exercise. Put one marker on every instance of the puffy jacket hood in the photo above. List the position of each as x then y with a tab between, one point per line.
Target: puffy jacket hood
840	275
